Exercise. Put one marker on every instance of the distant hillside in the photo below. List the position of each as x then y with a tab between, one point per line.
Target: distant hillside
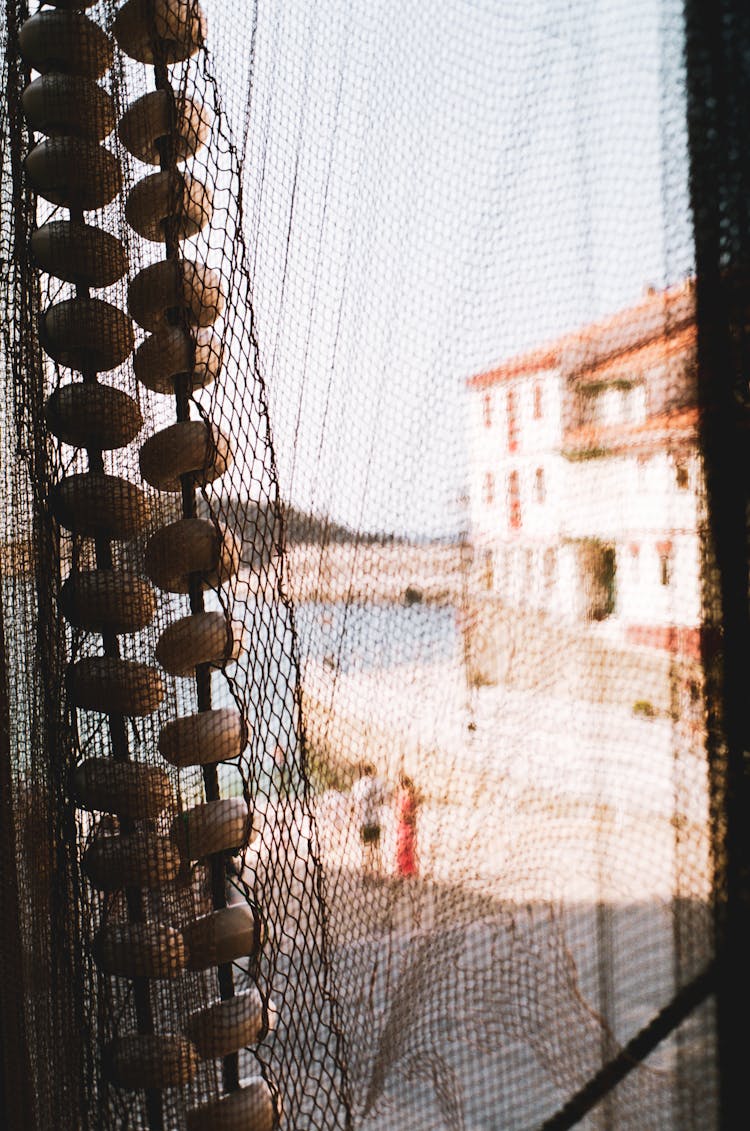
303	527
263	523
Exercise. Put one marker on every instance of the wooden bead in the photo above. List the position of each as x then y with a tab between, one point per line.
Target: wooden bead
150	1061
114	686
188	447
88	334
68	42
141	859
227	1026
249	1109
133	790
97	505
89	415
169	196
160	31
56	104
222	937
74	172
170	352
215	826
79	253
188	546
204	738
173	284
140	950
108	600
201	638
159	115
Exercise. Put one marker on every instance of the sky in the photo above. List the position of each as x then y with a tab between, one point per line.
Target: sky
431	187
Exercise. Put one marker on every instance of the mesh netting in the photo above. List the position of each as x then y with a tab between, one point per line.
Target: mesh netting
364	748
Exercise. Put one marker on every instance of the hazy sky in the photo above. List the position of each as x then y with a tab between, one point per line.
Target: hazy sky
431	187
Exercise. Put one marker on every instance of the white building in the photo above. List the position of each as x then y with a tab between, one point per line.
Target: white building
586	486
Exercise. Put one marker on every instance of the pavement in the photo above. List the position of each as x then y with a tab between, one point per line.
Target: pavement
563	896
589	801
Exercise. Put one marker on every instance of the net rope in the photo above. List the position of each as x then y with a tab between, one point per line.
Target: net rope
472	593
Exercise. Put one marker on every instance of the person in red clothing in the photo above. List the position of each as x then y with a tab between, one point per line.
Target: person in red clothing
407	803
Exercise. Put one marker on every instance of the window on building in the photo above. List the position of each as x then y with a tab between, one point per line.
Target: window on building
538	400
514	501
681	475
549	568
512	419
488	488
615	405
598	574
529	570
587	405
540	488
609	404
487	410
664	550
488	569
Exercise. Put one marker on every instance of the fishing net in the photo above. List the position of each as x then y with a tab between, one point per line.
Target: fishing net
373	565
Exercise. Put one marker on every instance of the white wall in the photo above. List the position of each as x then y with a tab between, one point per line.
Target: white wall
613	496
539	442
625	501
642	598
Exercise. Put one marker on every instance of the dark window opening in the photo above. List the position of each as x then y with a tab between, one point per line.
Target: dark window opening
664	550
598	566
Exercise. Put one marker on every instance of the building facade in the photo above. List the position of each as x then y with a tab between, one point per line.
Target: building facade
586	488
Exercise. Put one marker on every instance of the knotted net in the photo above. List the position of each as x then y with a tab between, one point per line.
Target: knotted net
478	367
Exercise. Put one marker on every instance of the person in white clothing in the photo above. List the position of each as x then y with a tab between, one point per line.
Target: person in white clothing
370	794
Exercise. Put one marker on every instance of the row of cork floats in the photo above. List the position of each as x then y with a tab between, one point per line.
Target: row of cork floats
177	301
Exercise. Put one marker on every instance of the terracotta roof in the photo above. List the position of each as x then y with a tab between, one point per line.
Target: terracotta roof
629	363
534	362
655	318
681	424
